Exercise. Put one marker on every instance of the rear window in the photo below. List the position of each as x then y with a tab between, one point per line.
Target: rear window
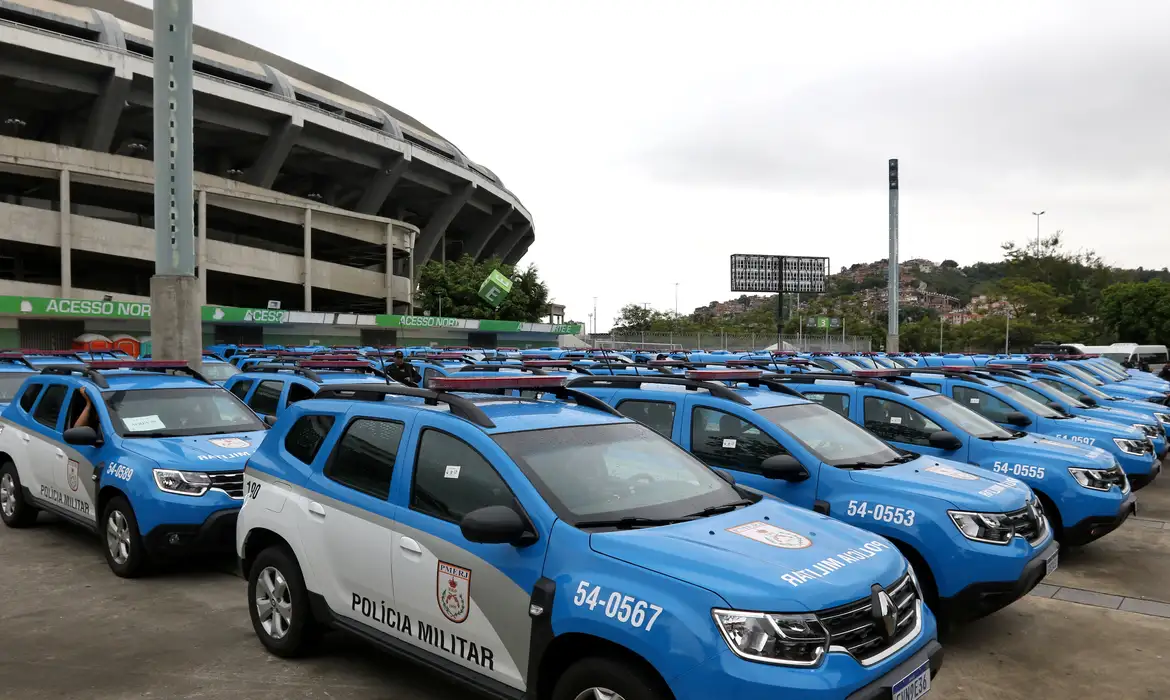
306	435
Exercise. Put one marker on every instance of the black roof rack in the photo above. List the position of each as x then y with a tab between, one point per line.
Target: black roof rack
376	392
68	370
1001	372
949	373
609	369
636	381
813	378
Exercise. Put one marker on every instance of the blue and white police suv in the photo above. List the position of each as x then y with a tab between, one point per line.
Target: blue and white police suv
556	549
154	466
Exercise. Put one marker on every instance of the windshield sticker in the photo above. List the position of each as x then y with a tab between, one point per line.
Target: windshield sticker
951	472
729	443
452	471
453	591
896	420
137	424
827	566
771	535
974	400
230	443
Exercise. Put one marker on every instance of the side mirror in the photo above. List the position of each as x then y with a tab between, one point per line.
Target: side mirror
783	467
945	440
1088	400
495	525
725	476
81	435
1055	406
1018	419
270	421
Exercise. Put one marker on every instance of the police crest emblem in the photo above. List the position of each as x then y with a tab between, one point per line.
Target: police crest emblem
453	591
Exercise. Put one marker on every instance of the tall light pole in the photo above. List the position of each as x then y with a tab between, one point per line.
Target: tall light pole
892	284
676	299
1037	214
594	315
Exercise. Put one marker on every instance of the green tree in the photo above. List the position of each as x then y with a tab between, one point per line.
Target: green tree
1137	312
457	284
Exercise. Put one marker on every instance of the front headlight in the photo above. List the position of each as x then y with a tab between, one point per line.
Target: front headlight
182	483
1095	479
992	528
786	640
1150	431
1130	447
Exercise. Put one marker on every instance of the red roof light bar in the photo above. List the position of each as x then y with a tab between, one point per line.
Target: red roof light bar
505	382
723	375
334	364
546	363
137	364
877	373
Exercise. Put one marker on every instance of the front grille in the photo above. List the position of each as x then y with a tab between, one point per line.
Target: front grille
230	482
852	627
1028	521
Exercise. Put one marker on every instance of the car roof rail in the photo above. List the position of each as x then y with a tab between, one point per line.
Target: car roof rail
68	370
15	358
163	366
635	381
1001	371
459	405
275	367
813	378
652	370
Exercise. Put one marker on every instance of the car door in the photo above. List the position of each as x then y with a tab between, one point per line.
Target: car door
17	439
75	477
348	522
45	450
990	407
469	601
658	415
740	444
266	398
902	425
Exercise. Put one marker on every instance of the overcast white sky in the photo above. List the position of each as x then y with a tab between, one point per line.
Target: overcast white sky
651	139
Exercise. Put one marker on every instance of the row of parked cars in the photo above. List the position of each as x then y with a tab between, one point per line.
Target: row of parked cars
634	527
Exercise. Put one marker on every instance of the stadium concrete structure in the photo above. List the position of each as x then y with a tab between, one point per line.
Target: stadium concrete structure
308	192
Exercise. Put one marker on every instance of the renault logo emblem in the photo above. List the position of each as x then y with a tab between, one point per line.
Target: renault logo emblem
884	611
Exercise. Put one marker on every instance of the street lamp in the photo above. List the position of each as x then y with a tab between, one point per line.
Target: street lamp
1037	215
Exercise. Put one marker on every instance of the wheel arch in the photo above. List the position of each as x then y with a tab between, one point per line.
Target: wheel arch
256	541
568	648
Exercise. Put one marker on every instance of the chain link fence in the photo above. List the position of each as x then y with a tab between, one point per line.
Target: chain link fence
728	341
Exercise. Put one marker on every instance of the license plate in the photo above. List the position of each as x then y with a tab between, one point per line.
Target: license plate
1050	565
913	686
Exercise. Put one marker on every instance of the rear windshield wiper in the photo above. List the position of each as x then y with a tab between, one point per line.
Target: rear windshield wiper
629	522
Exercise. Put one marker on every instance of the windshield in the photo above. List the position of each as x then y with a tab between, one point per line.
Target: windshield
904	362
848	363
1077	372
218	371
967	420
608	472
1028	403
1109	372
886	362
10	382
1075	389
1068	394
1117	357
832	438
866	362
179	412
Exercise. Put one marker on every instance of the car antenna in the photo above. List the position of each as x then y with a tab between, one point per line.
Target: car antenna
382	359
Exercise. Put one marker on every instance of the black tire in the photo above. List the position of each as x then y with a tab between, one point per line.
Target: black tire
631	681
23	512
1053	516
303	631
136	559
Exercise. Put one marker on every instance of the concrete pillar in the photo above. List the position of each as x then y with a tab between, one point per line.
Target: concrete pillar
444	214
382	184
410	271
512	240
519	250
479	239
175	318
201	246
276	148
389	268
308	259
66	236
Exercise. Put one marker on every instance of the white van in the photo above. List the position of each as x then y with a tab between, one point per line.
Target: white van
1153	355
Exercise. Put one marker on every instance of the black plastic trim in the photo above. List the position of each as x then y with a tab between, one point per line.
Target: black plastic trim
543	594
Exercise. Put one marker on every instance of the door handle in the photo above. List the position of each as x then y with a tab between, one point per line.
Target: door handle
25	437
409	545
60	453
316	509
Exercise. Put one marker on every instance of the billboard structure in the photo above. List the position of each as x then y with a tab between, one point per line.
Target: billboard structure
779	275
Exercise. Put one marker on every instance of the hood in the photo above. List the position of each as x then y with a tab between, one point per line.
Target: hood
963	487
1092	427
769	557
1119	414
1045	451
1132	392
209	453
1144	407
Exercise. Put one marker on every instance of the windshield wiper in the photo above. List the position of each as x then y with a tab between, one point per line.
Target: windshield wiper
629	522
999	438
156	434
716	510
865	465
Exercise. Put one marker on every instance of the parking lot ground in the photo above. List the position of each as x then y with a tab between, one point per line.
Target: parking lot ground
70	629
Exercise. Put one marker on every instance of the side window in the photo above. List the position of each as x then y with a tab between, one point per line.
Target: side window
451	479
29	397
983	403
428	373
298	392
838	403
723	440
50	406
364	457
306	435
932	386
897	422
656	415
240	388
824	364
266	398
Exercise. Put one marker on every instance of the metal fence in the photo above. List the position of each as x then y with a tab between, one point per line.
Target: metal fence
726	341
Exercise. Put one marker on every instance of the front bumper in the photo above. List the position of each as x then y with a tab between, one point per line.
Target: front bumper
1095	527
983	598
1140	481
215	534
883	687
